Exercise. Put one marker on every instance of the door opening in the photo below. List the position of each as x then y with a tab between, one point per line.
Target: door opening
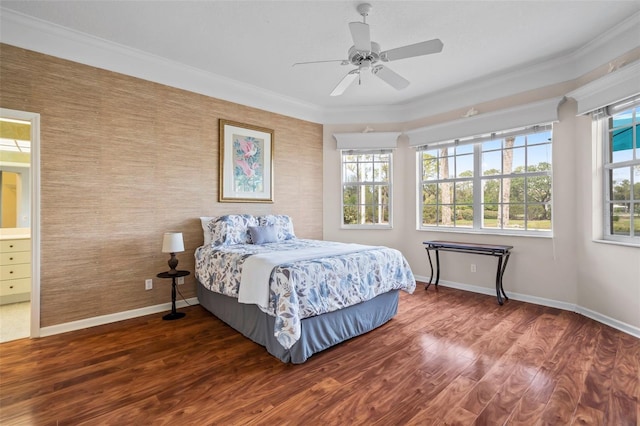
19	224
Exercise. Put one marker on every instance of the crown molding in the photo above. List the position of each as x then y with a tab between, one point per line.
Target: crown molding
44	37
41	36
613	43
479	90
558	69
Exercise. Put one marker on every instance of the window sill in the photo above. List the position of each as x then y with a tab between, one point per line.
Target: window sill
366	227
502	233
617	243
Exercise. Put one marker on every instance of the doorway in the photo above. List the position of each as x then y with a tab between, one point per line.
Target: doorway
20	224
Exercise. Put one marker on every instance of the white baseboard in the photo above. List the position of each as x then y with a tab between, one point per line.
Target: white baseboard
611	322
120	316
107	319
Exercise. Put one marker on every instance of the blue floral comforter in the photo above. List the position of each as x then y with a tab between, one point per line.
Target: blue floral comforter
307	288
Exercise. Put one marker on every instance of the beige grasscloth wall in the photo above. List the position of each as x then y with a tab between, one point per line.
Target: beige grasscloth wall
124	160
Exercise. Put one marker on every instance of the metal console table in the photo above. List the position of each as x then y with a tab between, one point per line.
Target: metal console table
499	251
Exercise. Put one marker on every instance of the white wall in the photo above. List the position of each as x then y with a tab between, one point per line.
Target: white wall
569	270
608	275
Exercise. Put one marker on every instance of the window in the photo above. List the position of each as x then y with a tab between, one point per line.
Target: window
494	183
622	172
366	188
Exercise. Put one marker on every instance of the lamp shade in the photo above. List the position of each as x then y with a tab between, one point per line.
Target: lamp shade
172	242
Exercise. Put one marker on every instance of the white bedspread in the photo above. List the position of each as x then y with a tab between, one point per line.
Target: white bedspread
256	270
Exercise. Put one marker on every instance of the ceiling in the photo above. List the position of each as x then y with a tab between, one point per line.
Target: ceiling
255	43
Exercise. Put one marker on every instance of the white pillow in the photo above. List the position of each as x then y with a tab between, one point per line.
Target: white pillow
204	220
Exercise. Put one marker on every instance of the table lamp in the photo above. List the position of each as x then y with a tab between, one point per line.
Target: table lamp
172	243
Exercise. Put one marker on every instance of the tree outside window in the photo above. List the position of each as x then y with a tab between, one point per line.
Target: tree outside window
501	183
366	189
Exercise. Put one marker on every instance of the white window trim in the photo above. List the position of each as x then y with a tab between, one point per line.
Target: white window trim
605	165
390	184
477	183
366	141
620	84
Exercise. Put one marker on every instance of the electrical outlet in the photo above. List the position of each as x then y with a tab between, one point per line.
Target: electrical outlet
473	267
180	280
148	284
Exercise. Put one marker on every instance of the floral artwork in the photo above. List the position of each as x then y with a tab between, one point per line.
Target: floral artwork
246	163
248	175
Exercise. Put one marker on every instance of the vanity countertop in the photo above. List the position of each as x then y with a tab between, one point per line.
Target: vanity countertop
15	233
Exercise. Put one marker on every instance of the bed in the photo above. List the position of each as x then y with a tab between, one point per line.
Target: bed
295	296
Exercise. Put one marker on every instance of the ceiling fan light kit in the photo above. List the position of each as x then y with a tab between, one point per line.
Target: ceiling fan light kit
365	55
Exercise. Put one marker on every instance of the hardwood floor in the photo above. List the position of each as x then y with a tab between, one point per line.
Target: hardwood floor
448	357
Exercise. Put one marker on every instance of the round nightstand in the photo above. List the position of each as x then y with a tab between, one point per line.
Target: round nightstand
173	315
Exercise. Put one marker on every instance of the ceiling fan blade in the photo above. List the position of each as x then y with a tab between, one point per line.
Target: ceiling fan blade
345	82
361	36
390	77
418	49
342	62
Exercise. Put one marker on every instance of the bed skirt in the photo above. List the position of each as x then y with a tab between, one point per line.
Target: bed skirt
317	333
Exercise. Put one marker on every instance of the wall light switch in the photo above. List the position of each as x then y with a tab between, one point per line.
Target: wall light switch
148	284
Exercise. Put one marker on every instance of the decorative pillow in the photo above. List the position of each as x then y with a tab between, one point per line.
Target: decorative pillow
231	229
282	224
263	234
204	221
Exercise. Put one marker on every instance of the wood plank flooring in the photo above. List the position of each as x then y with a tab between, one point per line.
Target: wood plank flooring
448	358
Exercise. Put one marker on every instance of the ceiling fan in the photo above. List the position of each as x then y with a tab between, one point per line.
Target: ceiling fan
366	55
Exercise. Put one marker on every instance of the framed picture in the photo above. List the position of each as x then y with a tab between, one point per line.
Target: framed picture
246	163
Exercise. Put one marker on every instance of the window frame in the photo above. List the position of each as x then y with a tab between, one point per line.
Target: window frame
477	225
389	184
607	165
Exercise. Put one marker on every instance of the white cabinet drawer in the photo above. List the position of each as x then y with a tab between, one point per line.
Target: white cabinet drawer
15	245
12	258
10	287
10	272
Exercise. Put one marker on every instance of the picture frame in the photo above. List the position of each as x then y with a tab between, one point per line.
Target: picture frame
246	163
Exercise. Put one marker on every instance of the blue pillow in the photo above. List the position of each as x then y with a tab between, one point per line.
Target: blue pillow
263	234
